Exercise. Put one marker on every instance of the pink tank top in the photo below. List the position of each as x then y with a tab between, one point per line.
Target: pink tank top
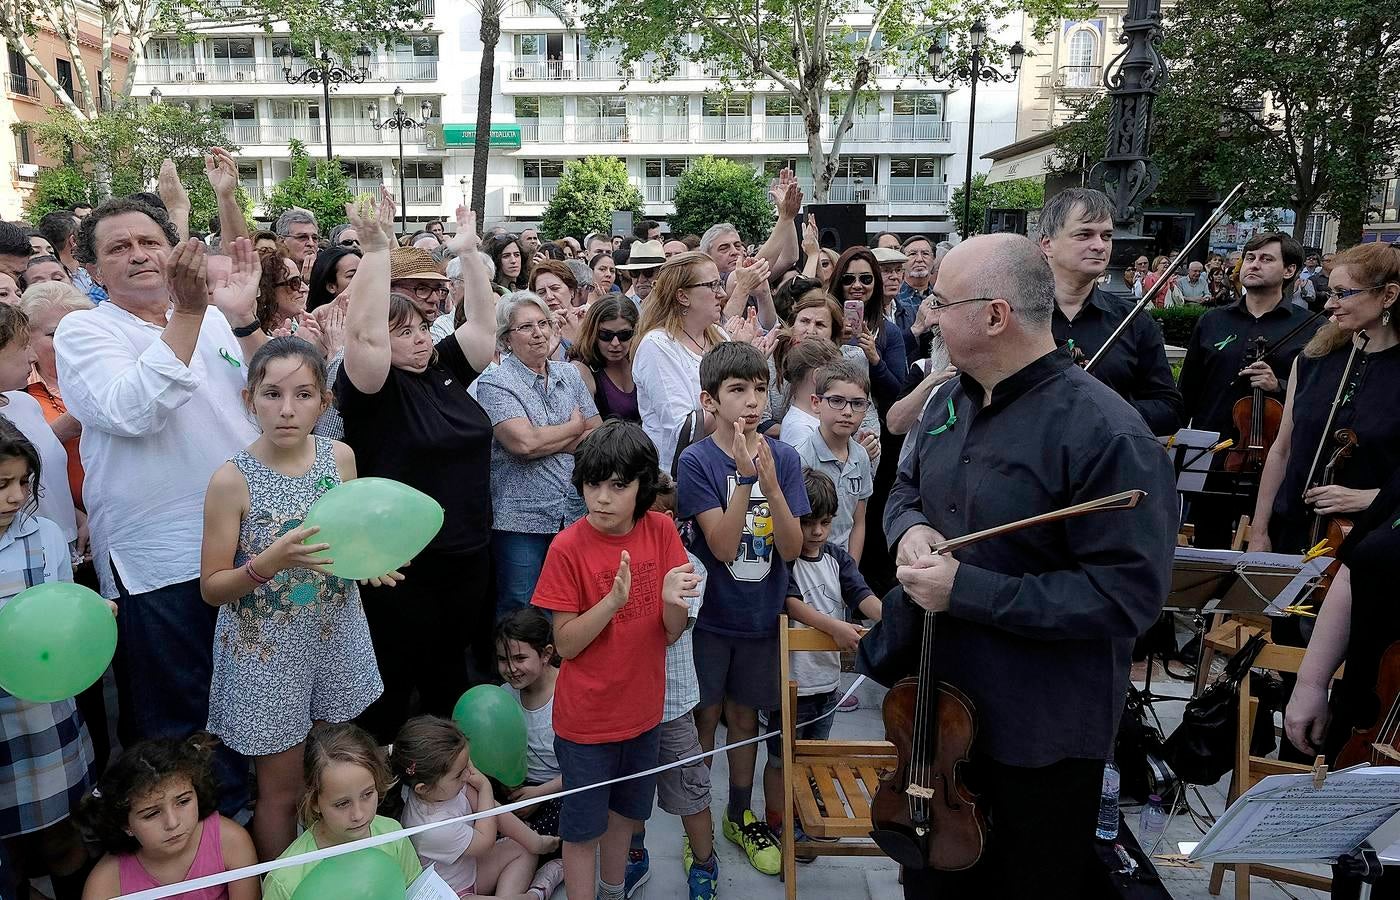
208	860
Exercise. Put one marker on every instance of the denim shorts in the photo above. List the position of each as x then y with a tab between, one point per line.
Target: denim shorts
808	708
584	816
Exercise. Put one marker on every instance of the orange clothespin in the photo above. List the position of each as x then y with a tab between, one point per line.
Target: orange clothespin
1319	772
1223	445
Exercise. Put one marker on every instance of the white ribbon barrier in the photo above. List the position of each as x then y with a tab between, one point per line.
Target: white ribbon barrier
207	881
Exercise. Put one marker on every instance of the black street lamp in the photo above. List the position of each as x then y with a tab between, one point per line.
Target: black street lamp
327	74
400	121
973	73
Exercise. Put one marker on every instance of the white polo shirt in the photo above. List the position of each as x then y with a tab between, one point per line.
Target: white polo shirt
154	431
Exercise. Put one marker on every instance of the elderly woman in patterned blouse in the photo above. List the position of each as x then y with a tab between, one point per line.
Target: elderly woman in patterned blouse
540	410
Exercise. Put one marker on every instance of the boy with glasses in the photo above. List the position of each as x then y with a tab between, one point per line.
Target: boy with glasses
841	394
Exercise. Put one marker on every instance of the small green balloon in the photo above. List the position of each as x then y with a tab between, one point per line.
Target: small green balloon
369	874
56	639
495	724
374	525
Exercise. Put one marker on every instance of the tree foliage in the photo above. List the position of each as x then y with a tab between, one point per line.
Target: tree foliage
589	192
1023	193
338	27
120	151
720	190
319	186
57	188
808	49
1291	96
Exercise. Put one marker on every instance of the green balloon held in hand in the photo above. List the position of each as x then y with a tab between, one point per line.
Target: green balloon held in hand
56	639
374	525
369	874
495	724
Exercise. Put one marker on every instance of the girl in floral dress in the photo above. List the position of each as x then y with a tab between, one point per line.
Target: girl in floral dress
291	647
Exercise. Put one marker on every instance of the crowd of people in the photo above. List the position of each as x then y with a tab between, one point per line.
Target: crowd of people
647	449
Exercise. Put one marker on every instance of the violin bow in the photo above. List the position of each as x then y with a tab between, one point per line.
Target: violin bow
1332	413
1161	283
1123	500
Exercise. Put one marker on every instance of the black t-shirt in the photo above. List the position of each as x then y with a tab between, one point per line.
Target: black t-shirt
425	430
1368	407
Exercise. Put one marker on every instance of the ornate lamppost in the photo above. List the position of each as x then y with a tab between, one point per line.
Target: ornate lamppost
400	121
326	75
1126	173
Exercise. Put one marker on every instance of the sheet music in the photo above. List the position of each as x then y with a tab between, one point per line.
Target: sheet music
430	886
1284	818
1198	554
1189	452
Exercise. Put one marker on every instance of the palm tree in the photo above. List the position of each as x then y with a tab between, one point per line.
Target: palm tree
491	11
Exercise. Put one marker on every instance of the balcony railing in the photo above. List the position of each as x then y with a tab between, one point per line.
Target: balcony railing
427	8
917	192
1078	78
660	193
535	192
734	128
24	173
253	189
245	132
784	129
366	185
666	131
908	129
533	131
543	70
861	130
421	68
22	85
242	132
606	130
600	70
423	191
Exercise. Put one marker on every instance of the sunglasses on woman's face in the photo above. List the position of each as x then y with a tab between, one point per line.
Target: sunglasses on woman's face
607	337
851	278
291	284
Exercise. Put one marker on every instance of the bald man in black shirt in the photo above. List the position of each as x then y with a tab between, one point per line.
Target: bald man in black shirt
1036	627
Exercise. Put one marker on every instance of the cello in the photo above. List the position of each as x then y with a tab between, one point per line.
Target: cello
1376	745
923	815
1257	419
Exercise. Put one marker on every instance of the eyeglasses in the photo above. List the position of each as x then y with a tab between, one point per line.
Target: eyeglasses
938	303
851	278
607	337
858	405
292	284
1340	294
305	238
643	273
542	327
424	291
717	286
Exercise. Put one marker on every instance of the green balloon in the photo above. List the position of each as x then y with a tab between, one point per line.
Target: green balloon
369	874
495	724
374	525
56	639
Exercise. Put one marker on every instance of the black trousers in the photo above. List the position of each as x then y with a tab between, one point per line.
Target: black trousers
1040	835
423	629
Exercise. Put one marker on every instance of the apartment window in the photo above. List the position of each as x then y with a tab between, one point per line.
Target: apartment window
918	106
610	107
425	45
724	107
542	170
659	176
530	46
224	49
423	171
63	74
17	64
237	110
1384	202
281	46
852	167
668	107
23	152
1314	230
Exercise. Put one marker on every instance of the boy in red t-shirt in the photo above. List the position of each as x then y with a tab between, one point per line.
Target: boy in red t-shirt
618	582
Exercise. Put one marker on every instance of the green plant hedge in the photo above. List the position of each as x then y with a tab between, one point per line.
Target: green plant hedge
1177	323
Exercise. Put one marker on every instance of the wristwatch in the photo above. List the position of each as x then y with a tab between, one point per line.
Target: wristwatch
246	330
746	479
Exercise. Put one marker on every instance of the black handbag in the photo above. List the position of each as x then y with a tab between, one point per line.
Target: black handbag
1201	749
1139	754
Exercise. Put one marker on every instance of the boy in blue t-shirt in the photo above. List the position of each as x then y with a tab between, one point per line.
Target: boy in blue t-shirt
743	494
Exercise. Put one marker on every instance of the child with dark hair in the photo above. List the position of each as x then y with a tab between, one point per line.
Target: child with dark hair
493	856
526	661
826	587
155	813
841	395
291	645
46	759
618	582
743	493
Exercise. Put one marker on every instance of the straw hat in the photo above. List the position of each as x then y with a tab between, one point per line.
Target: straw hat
884	255
644	255
413	262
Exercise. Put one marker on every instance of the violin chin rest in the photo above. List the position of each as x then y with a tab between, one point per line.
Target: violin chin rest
901	847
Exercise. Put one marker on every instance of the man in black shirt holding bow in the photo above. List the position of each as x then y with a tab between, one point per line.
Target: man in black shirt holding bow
1036	626
1076	234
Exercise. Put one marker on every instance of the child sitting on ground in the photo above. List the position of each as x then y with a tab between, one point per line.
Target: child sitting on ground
439	782
526	661
841	395
155	813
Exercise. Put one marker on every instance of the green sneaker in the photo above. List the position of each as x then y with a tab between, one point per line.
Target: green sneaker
757	840
687	855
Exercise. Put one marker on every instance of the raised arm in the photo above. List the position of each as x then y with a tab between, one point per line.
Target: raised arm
176	199
781	247
478	332
367	350
222	171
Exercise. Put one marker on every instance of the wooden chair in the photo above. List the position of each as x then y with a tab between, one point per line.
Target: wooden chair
1250	770
827	785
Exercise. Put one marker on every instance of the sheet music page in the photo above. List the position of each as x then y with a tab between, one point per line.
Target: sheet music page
430	886
1284	818
1198	554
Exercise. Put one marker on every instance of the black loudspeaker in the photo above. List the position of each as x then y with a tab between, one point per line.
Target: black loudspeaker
839	225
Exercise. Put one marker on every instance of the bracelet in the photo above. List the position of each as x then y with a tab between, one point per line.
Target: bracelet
253	573
243	331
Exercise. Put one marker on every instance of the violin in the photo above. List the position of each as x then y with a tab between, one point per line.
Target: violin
1322	526
1257	419
923	813
1365	744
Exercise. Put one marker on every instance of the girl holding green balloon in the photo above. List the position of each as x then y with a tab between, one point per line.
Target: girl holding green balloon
292	645
48	758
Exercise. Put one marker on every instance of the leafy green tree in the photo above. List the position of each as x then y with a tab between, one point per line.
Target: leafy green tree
119	151
589	192
720	190
319	186
57	188
1023	193
807	48
1290	96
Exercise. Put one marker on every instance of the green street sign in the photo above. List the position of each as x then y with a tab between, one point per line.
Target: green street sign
504	137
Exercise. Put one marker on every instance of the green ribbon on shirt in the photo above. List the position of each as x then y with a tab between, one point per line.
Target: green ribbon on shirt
952	420
1225	343
229	359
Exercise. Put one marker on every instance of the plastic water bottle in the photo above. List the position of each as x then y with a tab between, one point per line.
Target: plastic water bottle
1107	828
1152	823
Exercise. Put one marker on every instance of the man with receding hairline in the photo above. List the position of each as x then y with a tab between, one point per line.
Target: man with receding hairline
1036	627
